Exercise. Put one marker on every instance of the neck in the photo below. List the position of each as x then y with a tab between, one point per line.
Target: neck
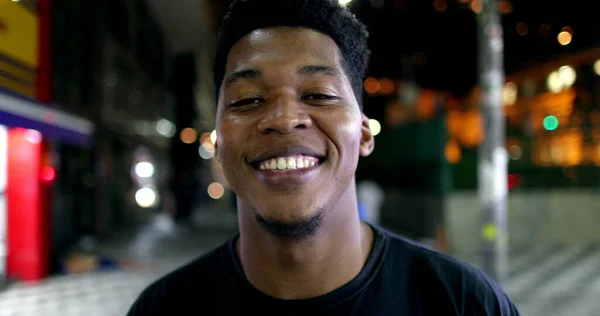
306	267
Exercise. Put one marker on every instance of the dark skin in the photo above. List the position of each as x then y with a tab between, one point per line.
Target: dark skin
286	93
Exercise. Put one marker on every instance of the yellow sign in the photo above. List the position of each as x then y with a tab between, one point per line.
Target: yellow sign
18	33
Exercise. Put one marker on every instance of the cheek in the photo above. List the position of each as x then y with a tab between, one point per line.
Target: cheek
225	147
232	134
350	133
227	159
227	152
228	137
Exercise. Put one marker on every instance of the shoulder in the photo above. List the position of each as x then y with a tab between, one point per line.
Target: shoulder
468	290
196	277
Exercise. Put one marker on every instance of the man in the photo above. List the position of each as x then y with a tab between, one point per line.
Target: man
290	132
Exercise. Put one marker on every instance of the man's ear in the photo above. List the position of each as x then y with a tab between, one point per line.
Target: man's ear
367	141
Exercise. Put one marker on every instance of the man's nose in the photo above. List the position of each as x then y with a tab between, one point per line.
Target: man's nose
284	115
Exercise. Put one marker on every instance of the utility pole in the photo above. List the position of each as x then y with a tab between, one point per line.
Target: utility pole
493	160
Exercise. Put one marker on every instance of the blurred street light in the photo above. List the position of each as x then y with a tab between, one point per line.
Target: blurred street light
553	82
386	86
205	138
216	190
505	7
564	38
440	5
372	85
522	28
452	152
567	29
165	128
561	79
188	135
510	93
550	122
47	174
144	169
476	6
515	152
567	75
145	197
375	127
206	150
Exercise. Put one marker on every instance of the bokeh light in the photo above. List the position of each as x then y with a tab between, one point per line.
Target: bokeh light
375	127
216	190
188	135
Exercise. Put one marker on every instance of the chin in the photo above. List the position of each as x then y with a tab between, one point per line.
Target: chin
291	225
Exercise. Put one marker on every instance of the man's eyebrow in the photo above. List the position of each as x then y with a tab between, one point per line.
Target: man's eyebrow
241	74
307	70
319	69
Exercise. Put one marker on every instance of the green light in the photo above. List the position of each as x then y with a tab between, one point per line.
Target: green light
550	122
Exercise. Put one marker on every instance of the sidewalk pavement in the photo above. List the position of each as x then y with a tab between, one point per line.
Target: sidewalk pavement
153	251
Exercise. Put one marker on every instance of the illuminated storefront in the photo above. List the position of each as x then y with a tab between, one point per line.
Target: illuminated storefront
30	131
552	112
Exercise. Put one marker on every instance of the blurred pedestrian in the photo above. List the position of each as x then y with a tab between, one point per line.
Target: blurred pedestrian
370	198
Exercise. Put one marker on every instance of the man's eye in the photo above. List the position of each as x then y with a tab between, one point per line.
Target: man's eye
248	101
318	97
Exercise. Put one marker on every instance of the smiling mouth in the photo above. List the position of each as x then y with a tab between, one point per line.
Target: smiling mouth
286	163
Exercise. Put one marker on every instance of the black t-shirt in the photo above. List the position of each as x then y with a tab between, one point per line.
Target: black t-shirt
399	278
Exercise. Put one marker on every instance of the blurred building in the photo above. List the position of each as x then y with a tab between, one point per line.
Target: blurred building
552	123
89	111
33	130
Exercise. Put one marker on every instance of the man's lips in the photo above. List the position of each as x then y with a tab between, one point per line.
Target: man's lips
305	153
288	163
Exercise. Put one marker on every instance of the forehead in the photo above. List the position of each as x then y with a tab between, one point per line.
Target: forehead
281	46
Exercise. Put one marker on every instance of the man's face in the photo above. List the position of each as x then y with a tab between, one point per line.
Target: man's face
289	127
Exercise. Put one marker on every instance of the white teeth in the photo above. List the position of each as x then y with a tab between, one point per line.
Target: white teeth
288	163
291	163
281	164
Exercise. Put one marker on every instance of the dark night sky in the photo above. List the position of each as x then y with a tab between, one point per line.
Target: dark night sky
448	39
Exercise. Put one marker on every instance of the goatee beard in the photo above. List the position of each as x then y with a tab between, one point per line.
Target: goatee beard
292	230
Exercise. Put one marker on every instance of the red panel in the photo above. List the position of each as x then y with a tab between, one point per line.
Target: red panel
45	211
26	250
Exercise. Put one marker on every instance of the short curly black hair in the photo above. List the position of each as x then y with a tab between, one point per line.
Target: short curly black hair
325	16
